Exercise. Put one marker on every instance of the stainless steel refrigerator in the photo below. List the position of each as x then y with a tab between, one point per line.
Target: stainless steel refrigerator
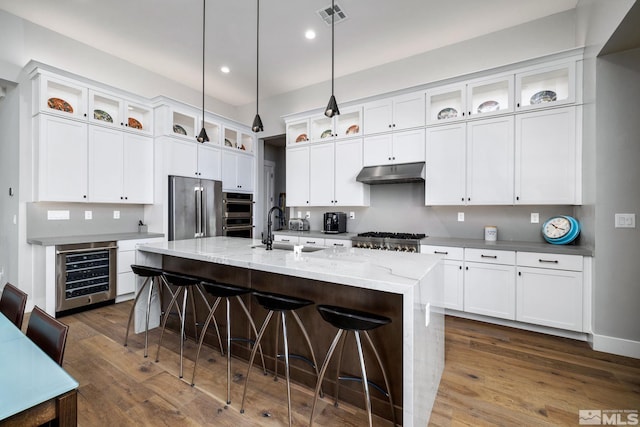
195	208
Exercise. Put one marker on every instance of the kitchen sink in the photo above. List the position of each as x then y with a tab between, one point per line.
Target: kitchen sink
287	247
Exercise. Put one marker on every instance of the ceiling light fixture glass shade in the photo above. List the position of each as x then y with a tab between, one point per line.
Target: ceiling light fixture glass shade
257	121
202	136
332	106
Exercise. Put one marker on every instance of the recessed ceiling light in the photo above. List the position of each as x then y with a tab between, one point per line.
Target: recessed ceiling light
225	69
310	34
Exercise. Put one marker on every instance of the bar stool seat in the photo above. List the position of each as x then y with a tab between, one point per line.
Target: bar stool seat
226	291
152	276
185	284
283	304
356	321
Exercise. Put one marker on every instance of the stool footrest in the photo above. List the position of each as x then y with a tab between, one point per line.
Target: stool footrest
371	383
299	357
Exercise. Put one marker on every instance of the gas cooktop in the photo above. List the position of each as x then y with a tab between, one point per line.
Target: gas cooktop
403	242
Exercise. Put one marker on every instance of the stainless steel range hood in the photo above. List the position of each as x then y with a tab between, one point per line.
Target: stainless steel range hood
392	174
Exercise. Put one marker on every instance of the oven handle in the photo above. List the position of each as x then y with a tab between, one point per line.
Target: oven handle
238	202
237	227
75	251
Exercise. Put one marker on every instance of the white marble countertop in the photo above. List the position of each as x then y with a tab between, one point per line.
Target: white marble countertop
378	270
89	238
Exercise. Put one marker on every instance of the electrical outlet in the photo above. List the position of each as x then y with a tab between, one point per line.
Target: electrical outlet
625	220
307	215
352	215
116	214
88	214
535	218
460	216
299	214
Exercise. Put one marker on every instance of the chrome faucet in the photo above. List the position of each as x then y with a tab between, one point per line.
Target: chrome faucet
269	240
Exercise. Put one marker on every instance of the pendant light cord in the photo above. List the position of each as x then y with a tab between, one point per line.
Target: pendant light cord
204	8
257	50
333	13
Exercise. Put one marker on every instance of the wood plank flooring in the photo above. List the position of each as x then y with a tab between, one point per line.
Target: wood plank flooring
493	376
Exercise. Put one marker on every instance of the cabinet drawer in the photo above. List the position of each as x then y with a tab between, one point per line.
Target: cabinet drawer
553	261
340	243
125	259
293	240
490	256
447	251
311	241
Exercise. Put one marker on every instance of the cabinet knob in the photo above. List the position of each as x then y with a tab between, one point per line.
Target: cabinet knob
85	114
519	273
469	112
394	125
389	158
393	158
466	268
518	105
121	198
469	199
460	268
84	196
462	199
463	113
517	197
126	198
122	124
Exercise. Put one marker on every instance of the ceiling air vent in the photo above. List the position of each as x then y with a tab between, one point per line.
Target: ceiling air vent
325	14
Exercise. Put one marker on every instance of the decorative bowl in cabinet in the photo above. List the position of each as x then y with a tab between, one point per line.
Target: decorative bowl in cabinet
59	104
488	106
102	115
326	133
133	123
543	96
302	137
447	113
353	130
179	130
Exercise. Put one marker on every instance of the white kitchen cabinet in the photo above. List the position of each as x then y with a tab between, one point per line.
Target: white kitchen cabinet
117	112
395	113
547	160
337	243
298	131
191	159
177	121
297	169
470	163
61	159
237	171
550	290
453	296
472	99
311	241
445	182
59	96
286	238
325	174
547	86
348	164
490	168
394	148
238	139
490	283
126	281
321	175
348	124
120	167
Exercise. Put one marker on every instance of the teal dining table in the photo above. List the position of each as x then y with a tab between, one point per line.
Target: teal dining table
33	388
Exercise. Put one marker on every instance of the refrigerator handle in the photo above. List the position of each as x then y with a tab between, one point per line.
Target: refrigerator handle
203	203
197	192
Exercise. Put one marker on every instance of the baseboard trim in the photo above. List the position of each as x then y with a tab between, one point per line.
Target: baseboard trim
619	346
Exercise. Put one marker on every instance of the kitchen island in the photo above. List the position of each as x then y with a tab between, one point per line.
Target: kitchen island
401	286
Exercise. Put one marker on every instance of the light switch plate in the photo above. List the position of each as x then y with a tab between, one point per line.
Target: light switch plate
88	214
116	214
535	218
460	216
627	220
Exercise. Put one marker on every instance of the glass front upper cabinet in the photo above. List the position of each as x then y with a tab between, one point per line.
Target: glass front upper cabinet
58	96
345	125
298	132
490	97
546	87
446	104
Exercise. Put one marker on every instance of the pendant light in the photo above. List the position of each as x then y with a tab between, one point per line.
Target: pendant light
257	121
202	136
332	106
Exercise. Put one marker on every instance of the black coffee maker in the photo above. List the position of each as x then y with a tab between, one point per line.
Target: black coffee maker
335	222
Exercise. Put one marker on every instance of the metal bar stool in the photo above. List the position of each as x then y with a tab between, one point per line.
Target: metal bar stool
184	284
282	304
346	319
152	277
220	291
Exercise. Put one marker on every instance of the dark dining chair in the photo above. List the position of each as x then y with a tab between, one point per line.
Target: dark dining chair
12	304
48	333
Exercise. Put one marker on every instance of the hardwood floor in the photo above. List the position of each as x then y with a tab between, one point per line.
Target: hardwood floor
493	376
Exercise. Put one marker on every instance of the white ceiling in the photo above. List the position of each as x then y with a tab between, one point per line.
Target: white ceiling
164	36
